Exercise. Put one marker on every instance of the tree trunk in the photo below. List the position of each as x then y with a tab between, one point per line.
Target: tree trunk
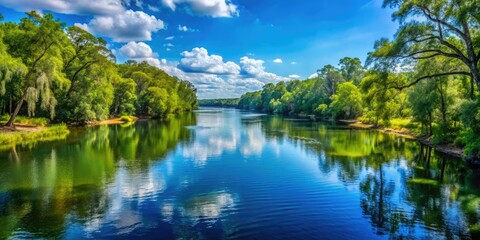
443	106
15	113
430	124
476	77
11	105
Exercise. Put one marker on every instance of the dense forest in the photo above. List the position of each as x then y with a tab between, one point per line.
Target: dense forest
68	75
427	77
221	102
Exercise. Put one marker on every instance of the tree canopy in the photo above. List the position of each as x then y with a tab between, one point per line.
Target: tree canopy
69	75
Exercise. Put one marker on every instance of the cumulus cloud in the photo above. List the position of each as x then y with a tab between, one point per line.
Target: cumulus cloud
253	68
211	75
84	7
137	50
124	27
198	60
278	60
211	8
294	76
169	38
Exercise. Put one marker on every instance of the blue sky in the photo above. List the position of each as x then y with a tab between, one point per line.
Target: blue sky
226	47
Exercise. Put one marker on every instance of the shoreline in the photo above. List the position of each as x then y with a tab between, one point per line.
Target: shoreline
448	149
27	133
24	134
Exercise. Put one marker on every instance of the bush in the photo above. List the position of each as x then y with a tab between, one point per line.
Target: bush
128	119
470	116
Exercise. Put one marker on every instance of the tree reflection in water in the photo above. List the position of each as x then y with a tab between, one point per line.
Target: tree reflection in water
433	190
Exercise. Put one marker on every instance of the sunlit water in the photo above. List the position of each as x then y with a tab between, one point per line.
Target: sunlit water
226	174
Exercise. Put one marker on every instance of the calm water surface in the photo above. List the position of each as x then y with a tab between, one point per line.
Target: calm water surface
226	174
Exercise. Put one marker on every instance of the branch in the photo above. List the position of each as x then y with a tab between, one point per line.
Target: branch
435	51
427	57
427	13
430	76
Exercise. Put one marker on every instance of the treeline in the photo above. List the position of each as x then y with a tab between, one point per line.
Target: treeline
69	75
221	102
428	76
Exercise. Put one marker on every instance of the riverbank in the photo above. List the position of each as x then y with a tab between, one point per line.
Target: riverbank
26	134
448	149
30	134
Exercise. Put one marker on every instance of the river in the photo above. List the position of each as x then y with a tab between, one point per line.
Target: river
228	174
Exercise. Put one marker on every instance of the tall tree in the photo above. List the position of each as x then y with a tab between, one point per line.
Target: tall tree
432	29
36	41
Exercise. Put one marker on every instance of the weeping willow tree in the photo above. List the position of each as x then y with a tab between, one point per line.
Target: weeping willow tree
36	41
10	68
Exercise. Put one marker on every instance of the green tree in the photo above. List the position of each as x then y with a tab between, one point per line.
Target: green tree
352	69
124	96
448	29
347	101
36	40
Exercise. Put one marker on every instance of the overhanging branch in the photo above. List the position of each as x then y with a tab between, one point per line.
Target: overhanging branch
430	76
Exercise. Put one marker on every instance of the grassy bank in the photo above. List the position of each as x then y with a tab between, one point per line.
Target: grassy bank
28	135
28	131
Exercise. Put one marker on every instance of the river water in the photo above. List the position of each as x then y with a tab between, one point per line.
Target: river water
228	174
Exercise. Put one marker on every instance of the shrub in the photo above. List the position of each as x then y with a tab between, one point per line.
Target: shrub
128	119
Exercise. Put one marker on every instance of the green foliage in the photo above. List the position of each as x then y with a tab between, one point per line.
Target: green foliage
347	102
69	75
128	119
470	116
221	102
311	96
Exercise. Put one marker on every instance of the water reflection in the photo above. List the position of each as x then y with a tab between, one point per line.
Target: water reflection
222	174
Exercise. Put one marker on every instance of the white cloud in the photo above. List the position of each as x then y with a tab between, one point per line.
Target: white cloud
278	60
186	29
198	60
253	68
153	8
293	63
168	45
212	8
124	27
314	75
137	50
169	38
294	76
83	7
212	77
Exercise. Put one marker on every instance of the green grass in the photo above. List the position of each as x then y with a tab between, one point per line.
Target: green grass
42	122
54	132
402	123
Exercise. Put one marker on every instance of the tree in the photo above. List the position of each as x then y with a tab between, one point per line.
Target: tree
448	29
381	101
352	69
347	101
36	41
10	70
157	101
